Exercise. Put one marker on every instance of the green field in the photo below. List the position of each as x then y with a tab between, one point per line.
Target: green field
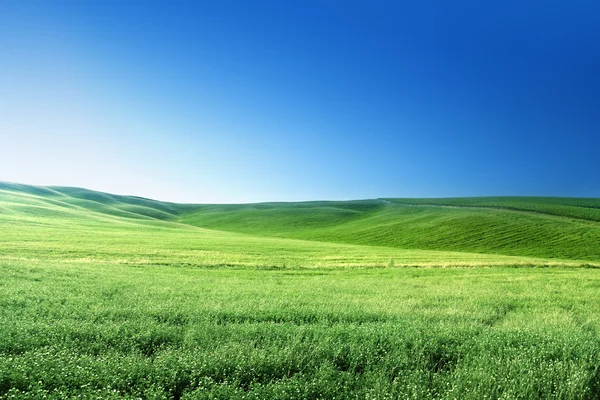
106	296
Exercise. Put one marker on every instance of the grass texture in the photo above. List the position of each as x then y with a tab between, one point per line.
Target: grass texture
107	296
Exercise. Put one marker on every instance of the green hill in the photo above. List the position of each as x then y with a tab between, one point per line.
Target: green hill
538	227
89	200
106	296
560	229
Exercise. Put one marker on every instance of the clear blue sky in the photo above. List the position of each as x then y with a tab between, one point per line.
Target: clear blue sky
243	101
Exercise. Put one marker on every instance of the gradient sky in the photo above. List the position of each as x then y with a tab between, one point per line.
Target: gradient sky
244	101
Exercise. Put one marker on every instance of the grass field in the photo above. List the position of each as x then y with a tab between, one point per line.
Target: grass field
107	296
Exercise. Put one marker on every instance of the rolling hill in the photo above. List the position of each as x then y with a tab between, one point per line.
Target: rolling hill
106	296
536	230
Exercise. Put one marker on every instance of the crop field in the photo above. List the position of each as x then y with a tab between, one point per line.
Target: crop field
105	296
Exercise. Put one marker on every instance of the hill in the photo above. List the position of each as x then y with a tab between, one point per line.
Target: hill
537	227
106	296
550	229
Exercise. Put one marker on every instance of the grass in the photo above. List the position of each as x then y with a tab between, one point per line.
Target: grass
102	329
508	226
580	208
101	299
552	229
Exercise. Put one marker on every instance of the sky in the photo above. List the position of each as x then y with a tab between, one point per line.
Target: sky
247	101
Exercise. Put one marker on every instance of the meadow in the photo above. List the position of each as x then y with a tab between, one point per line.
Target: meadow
107	296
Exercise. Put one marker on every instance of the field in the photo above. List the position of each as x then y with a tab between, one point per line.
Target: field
107	296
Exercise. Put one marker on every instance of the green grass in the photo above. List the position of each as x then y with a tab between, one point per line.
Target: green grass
580	208
70	229
508	226
105	296
102	329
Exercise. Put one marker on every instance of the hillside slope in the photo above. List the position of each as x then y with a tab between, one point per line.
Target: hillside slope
578	208
537	227
541	228
89	200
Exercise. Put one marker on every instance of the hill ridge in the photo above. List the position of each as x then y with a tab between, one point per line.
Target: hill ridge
555	228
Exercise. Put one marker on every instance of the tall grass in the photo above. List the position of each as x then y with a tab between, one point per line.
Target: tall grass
109	330
101	300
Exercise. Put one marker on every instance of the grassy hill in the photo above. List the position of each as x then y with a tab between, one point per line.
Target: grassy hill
120	297
87	200
536	227
476	229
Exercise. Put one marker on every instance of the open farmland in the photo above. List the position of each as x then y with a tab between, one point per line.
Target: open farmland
106	296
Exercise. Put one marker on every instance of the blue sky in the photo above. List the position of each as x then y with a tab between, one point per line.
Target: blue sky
243	101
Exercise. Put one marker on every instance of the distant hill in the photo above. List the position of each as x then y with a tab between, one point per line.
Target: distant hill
555	228
540	227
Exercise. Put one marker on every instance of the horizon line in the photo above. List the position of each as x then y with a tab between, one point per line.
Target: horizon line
285	202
